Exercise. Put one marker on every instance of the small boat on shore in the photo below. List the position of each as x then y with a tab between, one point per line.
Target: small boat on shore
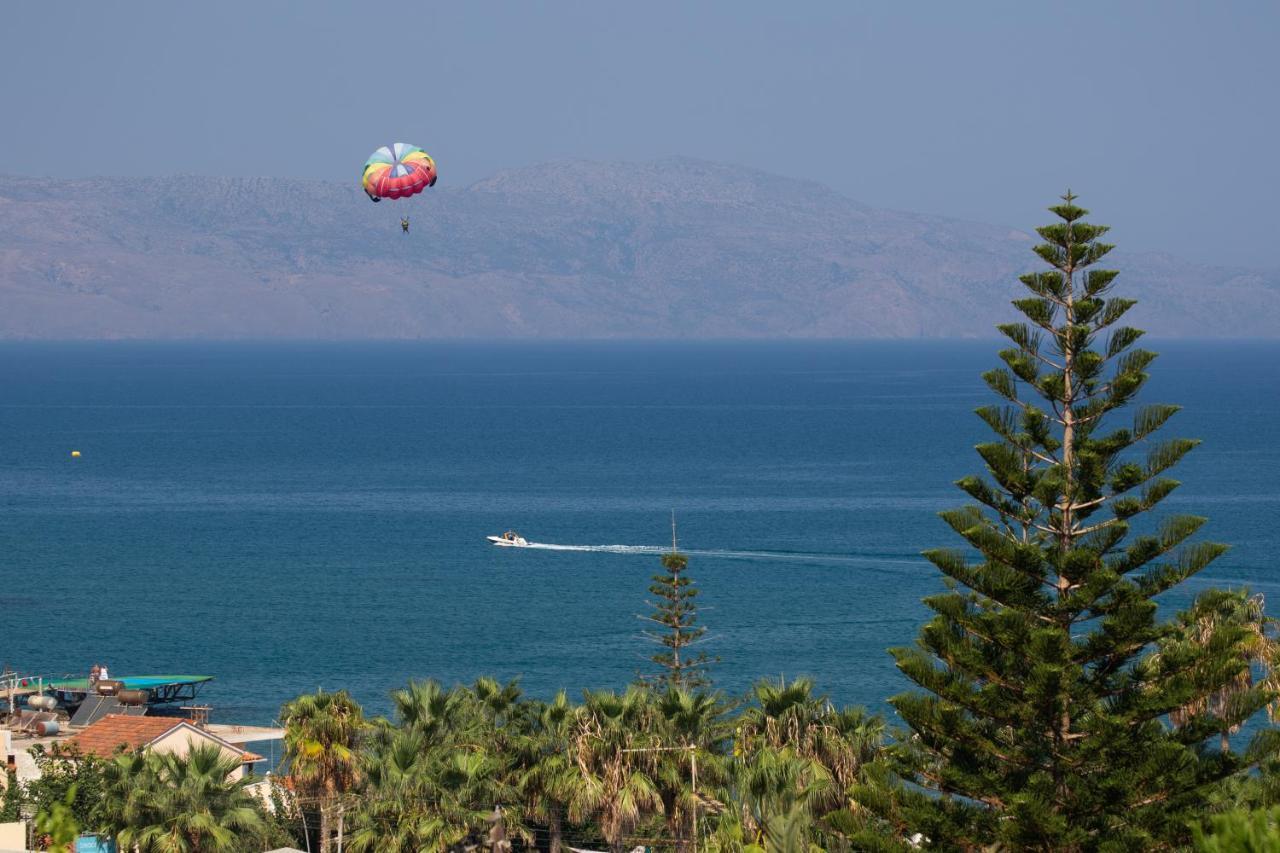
510	539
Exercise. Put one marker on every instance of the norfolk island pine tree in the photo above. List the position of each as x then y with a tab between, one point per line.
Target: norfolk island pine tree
1044	716
675	610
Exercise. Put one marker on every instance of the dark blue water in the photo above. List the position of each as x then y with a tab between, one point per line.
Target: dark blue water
289	517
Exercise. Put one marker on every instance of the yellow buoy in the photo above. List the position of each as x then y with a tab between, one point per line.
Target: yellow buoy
75	453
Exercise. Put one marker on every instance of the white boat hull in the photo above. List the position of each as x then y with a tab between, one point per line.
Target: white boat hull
518	542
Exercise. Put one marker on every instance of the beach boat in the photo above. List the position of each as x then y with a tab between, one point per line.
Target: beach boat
510	539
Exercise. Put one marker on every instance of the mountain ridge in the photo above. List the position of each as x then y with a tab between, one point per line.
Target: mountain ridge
675	247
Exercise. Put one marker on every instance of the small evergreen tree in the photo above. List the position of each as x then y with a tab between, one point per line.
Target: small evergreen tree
1044	717
674	609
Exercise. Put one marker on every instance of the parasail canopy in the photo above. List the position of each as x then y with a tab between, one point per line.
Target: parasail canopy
397	171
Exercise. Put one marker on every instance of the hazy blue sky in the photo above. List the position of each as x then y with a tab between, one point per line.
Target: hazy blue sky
1163	116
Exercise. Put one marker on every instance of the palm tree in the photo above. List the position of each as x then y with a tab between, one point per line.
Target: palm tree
121	777
469	785
1234	617
322	731
497	701
170	803
434	778
394	811
791	832
614	786
692	733
427	708
790	737
775	782
545	771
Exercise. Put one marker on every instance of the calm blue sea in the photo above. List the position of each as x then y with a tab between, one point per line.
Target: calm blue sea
287	517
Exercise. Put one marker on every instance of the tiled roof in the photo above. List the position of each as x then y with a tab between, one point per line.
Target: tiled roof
113	731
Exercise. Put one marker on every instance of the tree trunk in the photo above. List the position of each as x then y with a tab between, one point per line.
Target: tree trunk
556	829
324	828
1066	539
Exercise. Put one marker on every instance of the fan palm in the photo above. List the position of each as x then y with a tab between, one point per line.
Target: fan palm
121	777
789	736
545	771
692	733
433	781
170	803
1238	619
497	701
791	832
469	786
394	811
774	782
433	711
614	784
322	732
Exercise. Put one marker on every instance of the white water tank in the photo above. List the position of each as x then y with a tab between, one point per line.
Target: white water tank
42	702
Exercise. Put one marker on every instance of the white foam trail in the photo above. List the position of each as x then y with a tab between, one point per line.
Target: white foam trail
609	549
731	555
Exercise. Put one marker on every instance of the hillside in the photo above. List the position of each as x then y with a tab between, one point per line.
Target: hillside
671	248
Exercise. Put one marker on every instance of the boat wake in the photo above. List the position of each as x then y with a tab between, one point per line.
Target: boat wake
805	556
606	549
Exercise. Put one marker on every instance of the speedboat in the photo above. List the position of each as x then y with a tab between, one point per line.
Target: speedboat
510	539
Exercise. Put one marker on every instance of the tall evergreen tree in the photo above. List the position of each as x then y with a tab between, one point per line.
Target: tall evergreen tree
1044	717
674	609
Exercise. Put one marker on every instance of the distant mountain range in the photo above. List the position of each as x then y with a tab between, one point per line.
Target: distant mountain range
669	248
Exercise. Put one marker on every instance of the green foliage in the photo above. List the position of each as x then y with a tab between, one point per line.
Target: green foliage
656	761
616	787
797	758
170	803
788	833
11	803
62	771
544	771
58	825
676	612
1233	623
281	821
321	735
1239	832
1056	709
617	769
431	778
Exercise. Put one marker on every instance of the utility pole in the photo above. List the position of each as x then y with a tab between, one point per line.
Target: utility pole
693	772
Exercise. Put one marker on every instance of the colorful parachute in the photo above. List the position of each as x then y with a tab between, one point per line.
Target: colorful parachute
397	171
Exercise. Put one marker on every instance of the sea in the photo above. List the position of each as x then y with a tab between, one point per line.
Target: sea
294	516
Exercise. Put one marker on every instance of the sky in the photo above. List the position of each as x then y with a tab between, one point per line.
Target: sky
1163	116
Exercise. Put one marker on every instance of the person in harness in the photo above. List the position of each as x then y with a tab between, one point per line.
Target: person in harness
404	224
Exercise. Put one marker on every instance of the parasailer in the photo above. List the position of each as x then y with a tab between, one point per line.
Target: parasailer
404	224
397	171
